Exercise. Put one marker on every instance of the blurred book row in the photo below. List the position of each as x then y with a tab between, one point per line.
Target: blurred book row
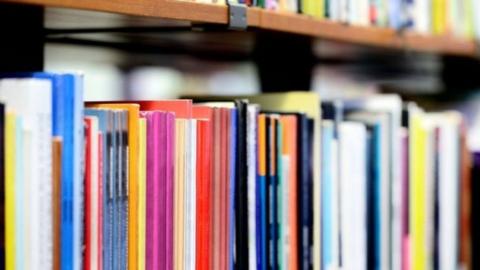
456	17
269	181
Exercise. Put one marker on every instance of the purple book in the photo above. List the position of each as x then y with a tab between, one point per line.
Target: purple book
155	158
170	174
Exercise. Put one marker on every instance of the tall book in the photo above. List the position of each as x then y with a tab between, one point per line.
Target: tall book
353	189
142	180
92	194
204	184
289	192
417	159
56	200
328	216
9	159
252	160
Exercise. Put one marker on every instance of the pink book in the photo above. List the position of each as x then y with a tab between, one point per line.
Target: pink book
405	207
155	157
170	169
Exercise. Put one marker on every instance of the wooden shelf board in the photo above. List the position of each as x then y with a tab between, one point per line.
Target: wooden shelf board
274	21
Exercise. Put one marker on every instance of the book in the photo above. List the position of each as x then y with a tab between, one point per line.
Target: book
142	191
290	190
353	213
204	184
252	163
92	198
31	99
417	159
56	199
2	189
261	189
9	159
328	217
240	228
474	200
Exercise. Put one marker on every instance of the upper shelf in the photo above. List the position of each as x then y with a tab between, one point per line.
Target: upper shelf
274	21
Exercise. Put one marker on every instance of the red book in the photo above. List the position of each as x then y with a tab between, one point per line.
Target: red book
100	201
204	218
87	193
465	202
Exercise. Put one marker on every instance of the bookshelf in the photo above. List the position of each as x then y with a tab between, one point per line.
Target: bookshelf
272	21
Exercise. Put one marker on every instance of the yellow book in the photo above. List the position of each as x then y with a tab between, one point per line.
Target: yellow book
439	16
9	160
133	130
418	137
142	192
314	8
179	193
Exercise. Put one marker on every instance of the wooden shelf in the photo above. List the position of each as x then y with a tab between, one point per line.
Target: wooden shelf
272	21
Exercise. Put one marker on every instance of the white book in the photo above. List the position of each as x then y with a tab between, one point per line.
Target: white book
284	246
31	99
252	112
448	125
449	188
353	210
336	204
422	16
190	194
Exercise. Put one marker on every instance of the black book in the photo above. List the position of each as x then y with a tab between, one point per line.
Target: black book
475	211
305	195
241	188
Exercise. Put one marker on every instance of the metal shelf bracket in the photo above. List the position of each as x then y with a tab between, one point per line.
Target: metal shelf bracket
237	16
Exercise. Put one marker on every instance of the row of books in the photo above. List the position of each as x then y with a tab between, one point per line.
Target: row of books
456	17
270	181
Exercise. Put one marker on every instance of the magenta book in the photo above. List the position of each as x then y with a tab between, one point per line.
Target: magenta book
170	170
152	230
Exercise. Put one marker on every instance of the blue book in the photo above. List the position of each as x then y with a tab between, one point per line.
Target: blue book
305	195
122	188
327	195
110	190
102	116
272	190
67	122
116	218
231	191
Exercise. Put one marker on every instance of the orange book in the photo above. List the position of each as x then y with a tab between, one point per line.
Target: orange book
204	211
289	130
465	202
56	182
133	128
